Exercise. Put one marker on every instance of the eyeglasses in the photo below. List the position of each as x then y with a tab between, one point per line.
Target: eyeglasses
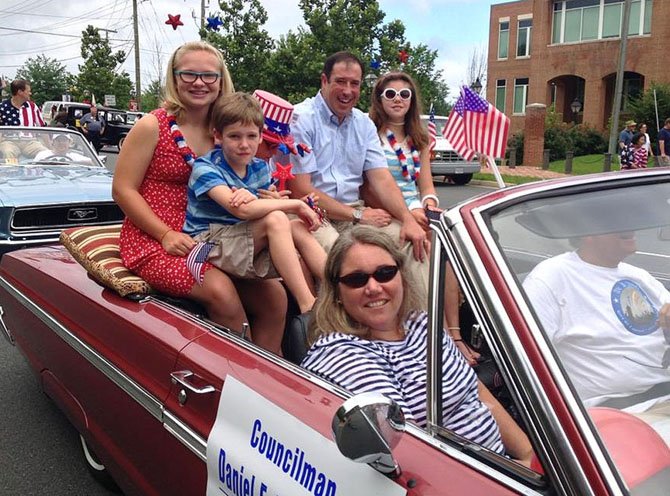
191	76
391	93
359	279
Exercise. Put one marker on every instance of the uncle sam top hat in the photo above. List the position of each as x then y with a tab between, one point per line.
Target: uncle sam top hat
277	114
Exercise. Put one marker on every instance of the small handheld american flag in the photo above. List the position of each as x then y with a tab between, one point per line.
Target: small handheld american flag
195	260
432	128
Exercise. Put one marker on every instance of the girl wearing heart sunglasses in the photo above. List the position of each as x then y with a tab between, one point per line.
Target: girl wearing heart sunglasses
369	334
396	111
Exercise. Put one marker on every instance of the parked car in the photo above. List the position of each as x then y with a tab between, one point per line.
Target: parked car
118	123
43	191
445	161
167	402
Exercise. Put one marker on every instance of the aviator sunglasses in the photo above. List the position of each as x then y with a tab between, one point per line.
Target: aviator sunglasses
191	76
358	279
391	93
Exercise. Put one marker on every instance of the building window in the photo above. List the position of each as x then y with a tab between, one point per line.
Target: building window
503	40
523	38
500	94
585	20
520	95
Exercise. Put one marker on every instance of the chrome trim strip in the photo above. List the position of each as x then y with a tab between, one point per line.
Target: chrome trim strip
5	331
22	242
122	380
545	347
187	436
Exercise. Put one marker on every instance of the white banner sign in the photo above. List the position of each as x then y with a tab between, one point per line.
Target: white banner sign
257	449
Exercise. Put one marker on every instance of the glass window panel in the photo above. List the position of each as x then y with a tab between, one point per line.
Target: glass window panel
503	42
556	28
500	95
522	43
647	17
612	21
520	87
634	21
590	18
573	25
576	4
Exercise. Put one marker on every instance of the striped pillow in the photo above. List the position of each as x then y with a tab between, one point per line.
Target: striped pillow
97	249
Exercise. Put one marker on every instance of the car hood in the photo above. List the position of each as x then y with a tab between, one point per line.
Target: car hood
37	185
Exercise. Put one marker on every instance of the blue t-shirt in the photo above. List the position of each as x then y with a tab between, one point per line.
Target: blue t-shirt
212	170
664	136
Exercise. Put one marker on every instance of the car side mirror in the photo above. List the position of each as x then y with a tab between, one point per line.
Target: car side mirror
366	429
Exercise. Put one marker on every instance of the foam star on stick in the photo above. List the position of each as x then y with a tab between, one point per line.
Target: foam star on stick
214	23
283	174
174	21
403	56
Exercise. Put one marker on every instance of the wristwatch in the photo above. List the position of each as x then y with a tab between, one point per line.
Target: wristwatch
357	215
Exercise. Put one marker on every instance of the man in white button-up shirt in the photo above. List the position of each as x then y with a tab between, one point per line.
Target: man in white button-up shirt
345	149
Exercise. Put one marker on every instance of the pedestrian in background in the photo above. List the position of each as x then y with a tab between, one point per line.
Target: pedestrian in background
93	127
664	144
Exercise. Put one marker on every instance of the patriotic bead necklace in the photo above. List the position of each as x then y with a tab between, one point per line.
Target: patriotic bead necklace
182	146
403	159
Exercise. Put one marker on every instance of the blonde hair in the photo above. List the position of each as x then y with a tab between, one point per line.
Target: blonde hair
413	127
237	107
172	102
330	315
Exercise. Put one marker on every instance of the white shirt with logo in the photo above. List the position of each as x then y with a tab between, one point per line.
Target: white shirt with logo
603	323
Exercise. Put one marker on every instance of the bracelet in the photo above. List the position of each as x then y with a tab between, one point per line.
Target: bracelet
164	234
451	328
430	197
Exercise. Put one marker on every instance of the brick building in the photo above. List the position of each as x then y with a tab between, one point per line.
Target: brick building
565	52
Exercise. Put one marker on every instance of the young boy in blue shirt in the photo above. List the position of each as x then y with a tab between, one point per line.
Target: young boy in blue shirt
252	237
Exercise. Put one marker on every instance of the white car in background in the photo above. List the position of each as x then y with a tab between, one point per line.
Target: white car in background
444	161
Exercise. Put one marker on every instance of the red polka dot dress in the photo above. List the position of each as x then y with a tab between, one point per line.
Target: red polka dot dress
164	189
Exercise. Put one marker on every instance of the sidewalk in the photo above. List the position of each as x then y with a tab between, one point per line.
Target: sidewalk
527	171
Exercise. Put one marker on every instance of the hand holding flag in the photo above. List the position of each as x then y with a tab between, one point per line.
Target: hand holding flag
432	129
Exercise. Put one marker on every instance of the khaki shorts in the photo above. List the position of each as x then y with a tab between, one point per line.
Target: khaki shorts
234	252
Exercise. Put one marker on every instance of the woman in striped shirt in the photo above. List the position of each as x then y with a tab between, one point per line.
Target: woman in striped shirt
380	343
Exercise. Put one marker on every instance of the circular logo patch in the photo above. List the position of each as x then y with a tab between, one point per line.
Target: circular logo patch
634	308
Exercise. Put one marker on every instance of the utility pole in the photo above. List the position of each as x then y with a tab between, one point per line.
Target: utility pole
107	31
618	86
202	13
138	84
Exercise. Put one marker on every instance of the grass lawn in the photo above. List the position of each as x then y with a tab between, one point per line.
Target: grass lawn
586	164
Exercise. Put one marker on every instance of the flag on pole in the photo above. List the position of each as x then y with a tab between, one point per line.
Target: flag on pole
476	126
432	128
195	260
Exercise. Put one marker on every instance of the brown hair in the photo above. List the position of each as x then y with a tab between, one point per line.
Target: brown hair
237	107
337	57
18	85
413	127
172	102
329	315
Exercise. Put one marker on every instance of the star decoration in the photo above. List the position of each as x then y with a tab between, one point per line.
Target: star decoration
403	56
283	174
214	23
174	21
375	64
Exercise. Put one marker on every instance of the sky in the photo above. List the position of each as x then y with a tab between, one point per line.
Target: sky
455	28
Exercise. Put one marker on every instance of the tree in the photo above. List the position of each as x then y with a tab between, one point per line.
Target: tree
244	44
477	67
48	78
98	75
152	96
643	109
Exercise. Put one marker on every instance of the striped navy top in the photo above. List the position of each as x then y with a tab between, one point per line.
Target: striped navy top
397	369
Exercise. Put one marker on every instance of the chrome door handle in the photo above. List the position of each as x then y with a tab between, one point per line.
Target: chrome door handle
181	377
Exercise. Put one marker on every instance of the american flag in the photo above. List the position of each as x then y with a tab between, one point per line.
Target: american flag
195	260
31	115
476	126
432	128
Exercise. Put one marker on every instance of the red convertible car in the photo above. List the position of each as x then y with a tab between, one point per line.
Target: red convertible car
167	402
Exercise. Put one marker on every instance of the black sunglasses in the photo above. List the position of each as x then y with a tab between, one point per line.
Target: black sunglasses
359	279
391	93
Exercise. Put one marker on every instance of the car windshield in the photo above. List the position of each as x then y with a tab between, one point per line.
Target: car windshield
44	146
594	266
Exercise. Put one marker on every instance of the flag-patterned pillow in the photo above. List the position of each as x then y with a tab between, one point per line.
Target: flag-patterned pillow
97	249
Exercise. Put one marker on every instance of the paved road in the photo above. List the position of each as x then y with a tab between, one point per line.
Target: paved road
39	449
